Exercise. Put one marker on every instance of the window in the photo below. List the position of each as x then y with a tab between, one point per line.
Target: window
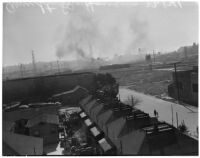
195	87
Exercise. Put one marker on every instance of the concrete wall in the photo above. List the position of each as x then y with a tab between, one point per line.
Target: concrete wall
44	87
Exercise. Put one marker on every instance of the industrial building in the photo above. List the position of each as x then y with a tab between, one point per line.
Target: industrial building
185	86
44	126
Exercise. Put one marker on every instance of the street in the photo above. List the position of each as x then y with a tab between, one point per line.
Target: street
148	104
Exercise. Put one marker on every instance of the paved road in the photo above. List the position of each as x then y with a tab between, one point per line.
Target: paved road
148	103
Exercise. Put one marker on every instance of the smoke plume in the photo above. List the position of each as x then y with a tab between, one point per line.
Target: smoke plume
104	33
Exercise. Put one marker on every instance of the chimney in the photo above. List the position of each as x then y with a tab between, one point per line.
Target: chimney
158	128
125	109
139	118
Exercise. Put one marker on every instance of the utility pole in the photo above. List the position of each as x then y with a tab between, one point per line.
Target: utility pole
172	115
154	58
21	70
121	149
34	151
177	85
177	119
51	67
58	66
34	64
107	130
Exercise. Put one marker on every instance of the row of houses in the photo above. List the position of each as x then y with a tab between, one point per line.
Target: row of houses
133	132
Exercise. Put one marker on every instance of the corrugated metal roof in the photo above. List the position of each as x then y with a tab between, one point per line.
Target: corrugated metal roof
45	118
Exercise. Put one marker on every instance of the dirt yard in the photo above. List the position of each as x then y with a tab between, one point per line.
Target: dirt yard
146	81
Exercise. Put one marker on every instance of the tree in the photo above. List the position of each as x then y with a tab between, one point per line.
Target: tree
133	101
106	84
183	128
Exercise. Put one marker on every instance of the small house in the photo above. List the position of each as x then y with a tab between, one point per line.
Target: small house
45	126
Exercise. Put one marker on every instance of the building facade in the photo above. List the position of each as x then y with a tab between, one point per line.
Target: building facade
185	86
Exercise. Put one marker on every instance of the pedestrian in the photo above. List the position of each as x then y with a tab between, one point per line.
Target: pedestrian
156	114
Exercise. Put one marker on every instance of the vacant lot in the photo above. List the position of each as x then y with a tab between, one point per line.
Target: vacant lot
153	82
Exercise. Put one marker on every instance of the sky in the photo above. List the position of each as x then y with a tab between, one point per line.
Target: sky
68	31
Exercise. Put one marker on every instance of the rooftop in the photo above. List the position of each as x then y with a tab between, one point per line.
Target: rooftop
75	89
22	144
29	113
44	118
132	128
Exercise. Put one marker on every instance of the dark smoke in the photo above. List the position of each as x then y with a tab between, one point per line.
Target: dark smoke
102	34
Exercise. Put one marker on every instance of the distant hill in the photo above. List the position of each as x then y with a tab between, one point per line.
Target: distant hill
184	53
